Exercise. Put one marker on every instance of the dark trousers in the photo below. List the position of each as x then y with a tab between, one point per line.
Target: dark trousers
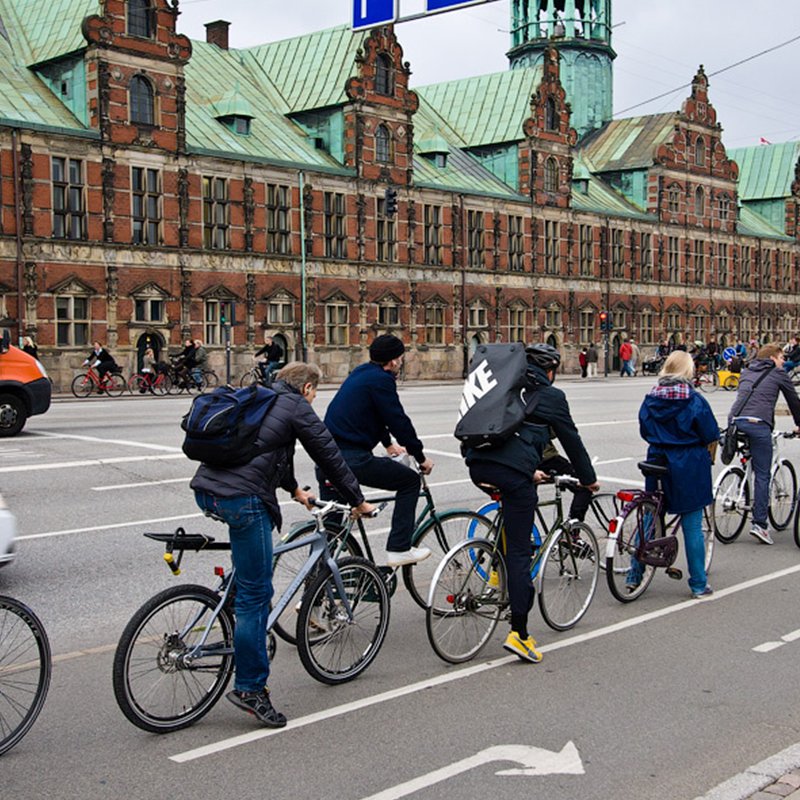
760	436
519	504
380	472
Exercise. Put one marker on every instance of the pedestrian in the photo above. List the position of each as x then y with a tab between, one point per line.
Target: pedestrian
678	424
625	353
366	411
753	411
30	348
244	498
582	361
635	355
591	361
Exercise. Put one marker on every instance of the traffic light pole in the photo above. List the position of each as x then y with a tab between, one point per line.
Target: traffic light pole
605	353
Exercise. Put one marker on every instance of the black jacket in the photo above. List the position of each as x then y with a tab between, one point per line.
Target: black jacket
760	402
290	418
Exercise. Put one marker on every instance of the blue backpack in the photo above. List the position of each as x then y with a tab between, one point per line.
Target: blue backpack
222	426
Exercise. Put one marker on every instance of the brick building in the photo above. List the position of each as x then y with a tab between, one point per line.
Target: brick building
152	188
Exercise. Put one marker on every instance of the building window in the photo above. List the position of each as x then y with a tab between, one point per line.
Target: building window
433	235
141	101
673	200
724	207
646	326
477	316
699	327
146	211
214	313
551	247
69	214
700	152
699	262
280	312
516	324
385	234
674	320
766	269
786	270
699	203
673	256
72	321
434	323
278	219
617	254
335	226
585	247
215	213
586	323
475	238
646	255
550	115
383	145
619	318
516	244
552	317
140	18
148	309
551	175
747	266
722	262
337	317
383	75
388	314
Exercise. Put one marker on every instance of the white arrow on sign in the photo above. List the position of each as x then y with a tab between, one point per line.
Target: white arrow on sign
532	761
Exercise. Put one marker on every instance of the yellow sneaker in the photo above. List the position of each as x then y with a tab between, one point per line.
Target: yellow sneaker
494	580
522	648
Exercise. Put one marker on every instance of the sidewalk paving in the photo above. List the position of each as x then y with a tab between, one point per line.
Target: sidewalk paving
776	776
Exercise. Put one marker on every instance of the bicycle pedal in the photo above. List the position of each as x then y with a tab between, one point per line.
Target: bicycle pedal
674	573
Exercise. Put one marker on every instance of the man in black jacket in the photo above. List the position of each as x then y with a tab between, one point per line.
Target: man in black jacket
511	466
244	498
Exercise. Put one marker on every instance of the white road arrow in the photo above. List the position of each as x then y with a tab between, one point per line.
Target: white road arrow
532	761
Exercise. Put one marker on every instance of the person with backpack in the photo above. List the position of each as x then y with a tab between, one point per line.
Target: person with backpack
243	496
366	411
510	466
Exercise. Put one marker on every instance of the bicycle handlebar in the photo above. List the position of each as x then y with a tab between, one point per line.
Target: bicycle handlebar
325	508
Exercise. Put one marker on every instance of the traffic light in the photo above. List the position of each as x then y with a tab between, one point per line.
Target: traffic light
605	321
390	198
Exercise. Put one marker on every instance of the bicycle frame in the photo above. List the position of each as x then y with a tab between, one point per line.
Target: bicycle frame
632	499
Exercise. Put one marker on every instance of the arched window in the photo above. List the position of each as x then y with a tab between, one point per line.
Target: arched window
699	202
700	152
550	116
140	18
141	101
383	74
551	175
383	145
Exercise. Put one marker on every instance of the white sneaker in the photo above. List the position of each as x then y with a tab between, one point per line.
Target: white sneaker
410	556
762	534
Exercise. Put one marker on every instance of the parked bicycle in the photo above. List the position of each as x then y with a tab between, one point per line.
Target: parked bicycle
469	593
113	383
175	656
25	668
733	490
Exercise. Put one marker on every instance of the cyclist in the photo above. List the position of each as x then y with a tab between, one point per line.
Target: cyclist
200	362
678	424
510	467
244	498
367	410
792	354
184	362
272	353
753	411
101	360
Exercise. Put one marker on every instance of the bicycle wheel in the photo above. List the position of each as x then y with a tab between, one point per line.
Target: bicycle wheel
82	385
439	534
627	577
468	595
162	385
249	378
731	383
604	507
335	647
286	565
568	576
25	668
157	688
138	384
782	494
115	385
709	382
708	533
731	504
210	380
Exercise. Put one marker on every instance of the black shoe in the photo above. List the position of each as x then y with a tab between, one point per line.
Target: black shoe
259	705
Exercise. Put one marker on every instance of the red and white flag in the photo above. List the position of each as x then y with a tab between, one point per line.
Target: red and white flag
762	140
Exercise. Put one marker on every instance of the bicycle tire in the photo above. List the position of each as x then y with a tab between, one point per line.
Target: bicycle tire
440	533
782	494
568	576
26	666
153	687
248	379
605	506
115	385
332	648
468	595
730	514
210	380
82	385
639	519
709	382
708	534
138	384
162	385
731	383
287	564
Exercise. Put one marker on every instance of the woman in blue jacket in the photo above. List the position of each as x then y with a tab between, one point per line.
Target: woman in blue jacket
678	424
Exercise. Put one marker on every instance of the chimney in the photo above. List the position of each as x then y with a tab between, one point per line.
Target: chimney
217	33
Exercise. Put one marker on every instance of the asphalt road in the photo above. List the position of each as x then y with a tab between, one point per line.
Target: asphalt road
662	698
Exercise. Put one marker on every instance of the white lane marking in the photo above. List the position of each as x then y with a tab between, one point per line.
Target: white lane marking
612	461
476	669
442	453
123	442
767	647
137	485
791	637
89	462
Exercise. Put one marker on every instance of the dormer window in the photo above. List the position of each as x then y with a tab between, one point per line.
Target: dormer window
140	18
239	125
383	145
383	75
550	115
141	101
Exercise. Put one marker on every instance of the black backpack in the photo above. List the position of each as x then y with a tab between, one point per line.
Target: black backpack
222	426
493	401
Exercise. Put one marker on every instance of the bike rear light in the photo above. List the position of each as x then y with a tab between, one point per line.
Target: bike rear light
625	495
612	525
451	598
219	572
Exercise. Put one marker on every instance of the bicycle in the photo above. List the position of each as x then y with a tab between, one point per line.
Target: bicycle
256	375
437	530
733	490
158	383
175	656
705	379
113	383
25	668
642	539
468	594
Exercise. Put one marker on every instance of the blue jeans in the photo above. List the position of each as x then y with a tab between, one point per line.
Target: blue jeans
251	549
760	437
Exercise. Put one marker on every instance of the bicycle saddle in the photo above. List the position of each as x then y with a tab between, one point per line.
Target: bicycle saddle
650	468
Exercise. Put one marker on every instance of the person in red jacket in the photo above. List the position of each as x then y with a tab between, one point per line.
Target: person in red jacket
625	354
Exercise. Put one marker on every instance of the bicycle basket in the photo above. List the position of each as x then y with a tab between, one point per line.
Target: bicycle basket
660	552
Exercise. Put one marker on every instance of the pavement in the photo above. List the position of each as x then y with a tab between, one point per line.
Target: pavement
776	776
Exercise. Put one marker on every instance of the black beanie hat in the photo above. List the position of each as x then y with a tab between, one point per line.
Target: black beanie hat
385	348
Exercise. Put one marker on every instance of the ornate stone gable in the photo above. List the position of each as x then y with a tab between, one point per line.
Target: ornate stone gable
219	292
150	290
73	285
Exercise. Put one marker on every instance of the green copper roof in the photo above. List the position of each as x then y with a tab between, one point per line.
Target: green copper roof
752	224
766	171
625	144
487	109
598	197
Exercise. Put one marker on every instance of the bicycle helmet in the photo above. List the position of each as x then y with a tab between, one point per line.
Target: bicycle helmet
543	355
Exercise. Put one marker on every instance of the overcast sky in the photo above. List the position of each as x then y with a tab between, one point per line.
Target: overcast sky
659	45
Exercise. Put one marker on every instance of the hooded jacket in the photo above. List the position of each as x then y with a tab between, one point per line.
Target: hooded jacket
760	401
678	424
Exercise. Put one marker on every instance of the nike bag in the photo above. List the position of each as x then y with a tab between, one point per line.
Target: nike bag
222	426
493	398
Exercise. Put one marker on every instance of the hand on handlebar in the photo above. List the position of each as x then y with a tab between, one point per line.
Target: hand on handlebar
363	509
592	487
426	467
305	497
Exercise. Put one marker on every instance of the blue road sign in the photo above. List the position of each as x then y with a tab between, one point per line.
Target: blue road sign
432	6
728	353
369	13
